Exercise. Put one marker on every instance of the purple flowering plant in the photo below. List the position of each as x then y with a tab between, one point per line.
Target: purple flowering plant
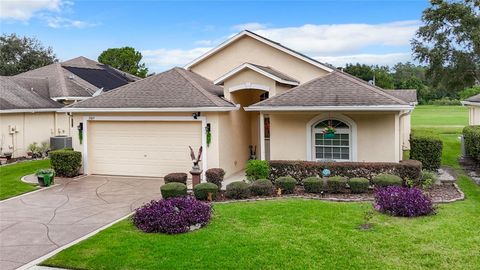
403	201
173	215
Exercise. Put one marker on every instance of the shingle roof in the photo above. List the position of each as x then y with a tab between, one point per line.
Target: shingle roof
175	88
78	77
14	97
475	98
334	89
407	95
276	73
265	71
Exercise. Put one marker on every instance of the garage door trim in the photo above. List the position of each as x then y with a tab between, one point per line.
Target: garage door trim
201	119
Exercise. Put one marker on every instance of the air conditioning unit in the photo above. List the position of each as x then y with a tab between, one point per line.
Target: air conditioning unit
60	142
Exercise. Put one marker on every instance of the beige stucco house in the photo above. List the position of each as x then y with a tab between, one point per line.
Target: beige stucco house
473	104
29	102
248	93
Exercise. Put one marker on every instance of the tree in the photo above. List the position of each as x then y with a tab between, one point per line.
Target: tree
20	54
449	42
125	59
383	78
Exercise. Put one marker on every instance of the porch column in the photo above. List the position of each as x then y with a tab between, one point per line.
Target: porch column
262	136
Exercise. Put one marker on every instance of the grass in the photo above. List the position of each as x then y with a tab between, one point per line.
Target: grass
301	234
434	116
10	183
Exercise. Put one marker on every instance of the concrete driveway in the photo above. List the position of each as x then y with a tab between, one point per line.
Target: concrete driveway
38	223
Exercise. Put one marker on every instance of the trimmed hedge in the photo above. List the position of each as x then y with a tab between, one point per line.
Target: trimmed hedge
286	184
262	187
201	191
408	169
471	137
336	184
358	184
238	190
173	189
384	180
66	162
176	178
426	148
257	169
215	175
313	185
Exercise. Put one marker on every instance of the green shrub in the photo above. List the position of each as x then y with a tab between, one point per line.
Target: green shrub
201	191
313	185
262	187
384	180
426	149
358	185
257	169
336	184
446	101
286	184
471	137
176	178
173	189
215	175
427	179
469	92
66	162
238	190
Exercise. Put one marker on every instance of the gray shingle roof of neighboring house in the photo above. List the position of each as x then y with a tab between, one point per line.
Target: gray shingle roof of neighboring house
175	88
334	89
78	77
408	95
16	97
475	99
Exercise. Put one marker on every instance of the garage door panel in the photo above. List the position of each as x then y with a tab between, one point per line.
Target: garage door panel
141	148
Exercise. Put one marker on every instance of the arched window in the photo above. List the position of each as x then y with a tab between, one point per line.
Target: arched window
336	147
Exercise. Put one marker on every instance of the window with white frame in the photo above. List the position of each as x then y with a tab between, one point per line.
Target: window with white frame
336	147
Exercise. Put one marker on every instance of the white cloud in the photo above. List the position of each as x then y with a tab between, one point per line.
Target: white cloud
252	26
23	10
161	59
369	59
61	22
342	38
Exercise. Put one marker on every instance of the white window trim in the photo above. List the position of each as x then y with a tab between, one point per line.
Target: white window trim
336	116
87	119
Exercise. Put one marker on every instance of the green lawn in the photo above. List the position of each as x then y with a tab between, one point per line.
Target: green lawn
434	116
301	234
10	183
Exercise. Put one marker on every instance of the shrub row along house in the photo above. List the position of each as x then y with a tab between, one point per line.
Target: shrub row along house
250	97
30	101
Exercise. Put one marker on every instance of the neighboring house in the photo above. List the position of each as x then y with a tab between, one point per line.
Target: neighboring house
248	92
29	101
473	104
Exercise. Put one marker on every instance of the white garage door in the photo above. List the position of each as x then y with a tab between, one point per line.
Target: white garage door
153	148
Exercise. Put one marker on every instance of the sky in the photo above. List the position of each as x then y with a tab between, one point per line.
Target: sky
173	33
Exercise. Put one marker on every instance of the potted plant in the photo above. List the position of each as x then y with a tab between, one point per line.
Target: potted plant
45	177
329	132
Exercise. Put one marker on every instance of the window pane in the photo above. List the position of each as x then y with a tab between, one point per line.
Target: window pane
336	156
345	156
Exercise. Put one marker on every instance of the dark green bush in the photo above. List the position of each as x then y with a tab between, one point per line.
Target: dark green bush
201	191
471	136
358	185
238	190
313	185
176	178
383	180
173	189
257	169
286	184
262	187
336	184
66	162
215	175
426	148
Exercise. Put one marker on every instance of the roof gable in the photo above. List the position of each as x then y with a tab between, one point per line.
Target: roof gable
265	71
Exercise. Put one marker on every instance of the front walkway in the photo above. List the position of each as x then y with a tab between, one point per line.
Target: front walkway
38	223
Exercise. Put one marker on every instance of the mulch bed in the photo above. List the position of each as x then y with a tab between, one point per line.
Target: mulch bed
444	193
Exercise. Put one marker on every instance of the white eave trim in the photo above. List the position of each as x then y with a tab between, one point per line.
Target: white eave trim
29	110
330	108
70	98
256	69
186	109
268	42
470	103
